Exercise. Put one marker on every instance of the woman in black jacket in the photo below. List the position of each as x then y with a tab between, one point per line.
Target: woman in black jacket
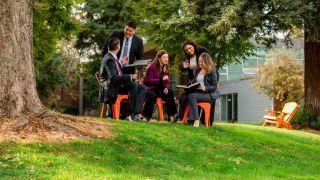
190	62
207	77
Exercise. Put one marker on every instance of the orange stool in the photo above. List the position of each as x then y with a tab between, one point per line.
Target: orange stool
206	107
116	106
160	109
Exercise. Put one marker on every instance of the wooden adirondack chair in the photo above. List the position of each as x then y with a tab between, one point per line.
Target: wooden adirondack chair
281	118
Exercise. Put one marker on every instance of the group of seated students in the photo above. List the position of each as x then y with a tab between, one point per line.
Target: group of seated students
156	83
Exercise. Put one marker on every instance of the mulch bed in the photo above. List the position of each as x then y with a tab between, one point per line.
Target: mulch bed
50	126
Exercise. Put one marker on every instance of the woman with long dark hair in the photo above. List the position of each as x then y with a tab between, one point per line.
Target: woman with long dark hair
191	57
157	81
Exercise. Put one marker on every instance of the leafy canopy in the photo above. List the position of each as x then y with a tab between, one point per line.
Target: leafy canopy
52	22
168	23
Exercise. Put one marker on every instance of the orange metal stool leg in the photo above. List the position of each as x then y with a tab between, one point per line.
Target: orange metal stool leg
116	106
206	107
185	115
160	109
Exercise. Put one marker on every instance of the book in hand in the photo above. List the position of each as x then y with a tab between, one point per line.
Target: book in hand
189	89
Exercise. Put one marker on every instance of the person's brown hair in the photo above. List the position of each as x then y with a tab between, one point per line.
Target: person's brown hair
132	24
113	43
188	42
157	60
207	63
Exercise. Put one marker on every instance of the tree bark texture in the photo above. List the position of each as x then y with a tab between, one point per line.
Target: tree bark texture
17	77
312	64
312	76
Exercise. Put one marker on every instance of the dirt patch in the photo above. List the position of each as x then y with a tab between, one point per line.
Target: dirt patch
50	126
310	130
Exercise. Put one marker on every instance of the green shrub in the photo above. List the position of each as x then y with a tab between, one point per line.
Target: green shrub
315	123
303	119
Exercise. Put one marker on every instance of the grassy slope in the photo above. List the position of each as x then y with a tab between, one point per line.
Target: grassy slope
156	150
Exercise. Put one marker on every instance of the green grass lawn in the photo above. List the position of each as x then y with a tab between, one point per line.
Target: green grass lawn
170	151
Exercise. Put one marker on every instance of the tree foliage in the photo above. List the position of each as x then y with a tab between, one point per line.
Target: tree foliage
263	20
168	23
267	19
100	19
52	22
70	57
65	95
281	78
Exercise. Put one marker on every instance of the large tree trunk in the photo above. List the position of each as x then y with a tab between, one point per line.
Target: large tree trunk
312	64
17	78
22	115
312	76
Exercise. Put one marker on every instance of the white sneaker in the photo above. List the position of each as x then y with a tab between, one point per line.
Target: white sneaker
131	117
172	119
196	123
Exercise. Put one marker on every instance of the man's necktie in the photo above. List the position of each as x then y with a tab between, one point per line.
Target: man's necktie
118	67
125	47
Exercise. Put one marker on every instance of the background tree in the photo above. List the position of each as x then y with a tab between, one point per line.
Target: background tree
281	78
65	97
265	20
70	59
168	23
52	22
22	115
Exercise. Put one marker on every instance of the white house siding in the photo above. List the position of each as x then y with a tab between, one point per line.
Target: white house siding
251	103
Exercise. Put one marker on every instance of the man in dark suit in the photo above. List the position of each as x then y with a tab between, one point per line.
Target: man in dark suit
131	46
113	80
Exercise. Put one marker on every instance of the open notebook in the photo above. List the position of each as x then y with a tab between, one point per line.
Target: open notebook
189	89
